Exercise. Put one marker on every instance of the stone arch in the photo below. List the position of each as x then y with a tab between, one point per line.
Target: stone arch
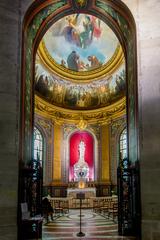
38	19
46	165
46	129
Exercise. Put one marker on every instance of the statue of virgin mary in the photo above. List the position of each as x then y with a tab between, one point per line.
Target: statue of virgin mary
81	169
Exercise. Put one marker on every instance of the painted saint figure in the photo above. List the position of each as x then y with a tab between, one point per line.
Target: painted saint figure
81	33
72	61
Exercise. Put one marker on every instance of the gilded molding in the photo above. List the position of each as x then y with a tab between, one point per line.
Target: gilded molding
44	124
62	116
81	3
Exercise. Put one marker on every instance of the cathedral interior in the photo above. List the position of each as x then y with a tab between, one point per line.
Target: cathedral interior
80	128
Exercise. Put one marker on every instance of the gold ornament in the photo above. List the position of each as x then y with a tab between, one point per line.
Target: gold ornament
82	124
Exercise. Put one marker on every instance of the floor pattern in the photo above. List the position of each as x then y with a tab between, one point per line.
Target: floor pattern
94	226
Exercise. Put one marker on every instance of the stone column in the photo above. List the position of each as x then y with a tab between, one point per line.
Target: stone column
146	14
10	78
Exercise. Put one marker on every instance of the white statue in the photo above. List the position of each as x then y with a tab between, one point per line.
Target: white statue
81	148
81	169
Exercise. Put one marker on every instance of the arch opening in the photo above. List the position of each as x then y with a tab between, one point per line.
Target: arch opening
36	23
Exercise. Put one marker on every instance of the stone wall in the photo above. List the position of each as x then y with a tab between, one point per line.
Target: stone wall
146	14
10	58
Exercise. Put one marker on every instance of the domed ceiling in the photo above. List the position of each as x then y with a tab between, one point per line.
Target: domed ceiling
80	64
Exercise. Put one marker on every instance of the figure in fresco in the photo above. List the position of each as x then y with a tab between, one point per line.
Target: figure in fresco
120	82
94	62
70	32
59	94
81	102
70	97
86	36
76	64
91	29
104	96
72	61
82	34
81	65
63	63
42	85
94	98
87	99
97	31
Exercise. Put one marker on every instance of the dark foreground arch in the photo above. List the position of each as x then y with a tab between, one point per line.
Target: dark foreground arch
39	17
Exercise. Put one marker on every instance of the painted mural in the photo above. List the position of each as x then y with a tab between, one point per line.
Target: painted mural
96	94
80	42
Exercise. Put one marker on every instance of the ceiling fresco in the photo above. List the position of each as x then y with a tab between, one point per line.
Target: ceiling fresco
96	94
80	43
88	51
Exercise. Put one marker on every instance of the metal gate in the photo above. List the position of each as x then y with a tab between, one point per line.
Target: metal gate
128	199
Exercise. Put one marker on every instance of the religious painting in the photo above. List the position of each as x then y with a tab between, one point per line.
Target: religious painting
80	42
96	94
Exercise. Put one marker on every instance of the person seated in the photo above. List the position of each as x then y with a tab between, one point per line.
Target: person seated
47	209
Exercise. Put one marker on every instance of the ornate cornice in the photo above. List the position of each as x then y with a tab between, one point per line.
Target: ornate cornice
98	116
118	124
44	123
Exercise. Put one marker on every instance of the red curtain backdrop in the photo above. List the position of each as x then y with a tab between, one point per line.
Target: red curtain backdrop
75	139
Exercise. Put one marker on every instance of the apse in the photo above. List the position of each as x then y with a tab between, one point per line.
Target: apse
76	140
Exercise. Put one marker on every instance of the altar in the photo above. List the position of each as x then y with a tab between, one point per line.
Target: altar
74	202
89	192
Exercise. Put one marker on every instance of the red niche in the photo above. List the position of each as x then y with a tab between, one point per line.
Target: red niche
75	139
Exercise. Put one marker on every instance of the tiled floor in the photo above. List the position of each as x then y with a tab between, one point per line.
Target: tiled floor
94	226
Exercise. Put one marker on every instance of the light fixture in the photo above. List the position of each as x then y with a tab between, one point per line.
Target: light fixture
81	184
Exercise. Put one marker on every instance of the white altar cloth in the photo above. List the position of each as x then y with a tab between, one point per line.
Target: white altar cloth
72	191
